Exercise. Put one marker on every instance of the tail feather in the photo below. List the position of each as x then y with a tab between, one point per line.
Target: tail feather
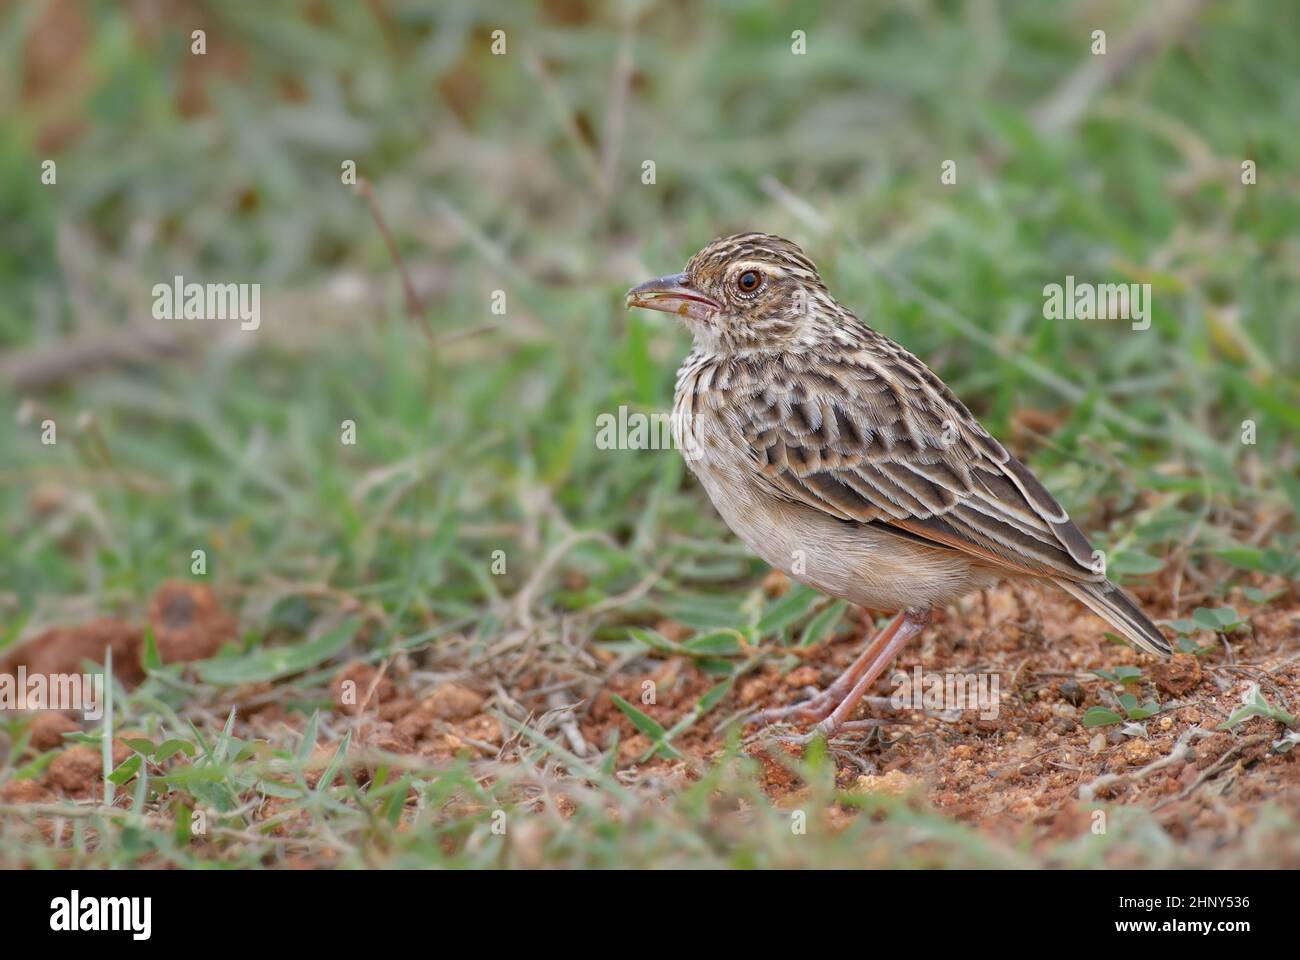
1119	610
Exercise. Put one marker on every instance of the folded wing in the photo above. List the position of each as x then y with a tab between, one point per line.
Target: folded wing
877	438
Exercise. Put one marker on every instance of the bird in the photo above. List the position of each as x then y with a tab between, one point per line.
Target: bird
843	461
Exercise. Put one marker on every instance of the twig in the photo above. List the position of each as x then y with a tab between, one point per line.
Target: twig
1215	768
30	370
524	598
1088	791
414	305
568	726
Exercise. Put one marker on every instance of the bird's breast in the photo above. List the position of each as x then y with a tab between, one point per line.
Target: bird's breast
856	562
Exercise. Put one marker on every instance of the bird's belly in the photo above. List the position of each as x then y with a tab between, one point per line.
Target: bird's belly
855	562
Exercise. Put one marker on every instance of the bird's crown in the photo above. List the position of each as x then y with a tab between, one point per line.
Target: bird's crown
760	248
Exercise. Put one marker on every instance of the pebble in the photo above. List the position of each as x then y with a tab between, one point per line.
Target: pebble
1072	692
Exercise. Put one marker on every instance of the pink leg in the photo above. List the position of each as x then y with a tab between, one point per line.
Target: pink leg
820	706
907	627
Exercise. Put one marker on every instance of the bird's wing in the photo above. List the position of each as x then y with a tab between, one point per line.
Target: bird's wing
874	436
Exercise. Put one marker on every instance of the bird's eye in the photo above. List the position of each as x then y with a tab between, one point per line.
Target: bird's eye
749	280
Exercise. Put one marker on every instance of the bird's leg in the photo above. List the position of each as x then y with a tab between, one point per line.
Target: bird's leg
820	706
910	625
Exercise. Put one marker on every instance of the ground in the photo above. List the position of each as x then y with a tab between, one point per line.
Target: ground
532	730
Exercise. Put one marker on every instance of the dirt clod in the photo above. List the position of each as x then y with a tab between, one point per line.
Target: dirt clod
25	791
453	701
1180	674
65	650
76	770
188	622
79	769
47	730
894	783
352	685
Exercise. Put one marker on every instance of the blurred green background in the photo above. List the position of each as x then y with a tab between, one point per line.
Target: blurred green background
522	173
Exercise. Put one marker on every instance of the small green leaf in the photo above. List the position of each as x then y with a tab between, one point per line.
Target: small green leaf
713	697
309	735
188	775
1286	564
714	643
1148	709
1219	619
332	768
284	791
646	724
824	624
787	610
222	746
1121	674
1256	595
126	769
1134	562
149	657
1100	717
36	766
1188	645
1253	704
715	667
610	760
139	745
169	748
652	639
1244	558
271	663
396	801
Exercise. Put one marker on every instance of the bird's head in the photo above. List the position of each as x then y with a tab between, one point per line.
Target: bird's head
752	292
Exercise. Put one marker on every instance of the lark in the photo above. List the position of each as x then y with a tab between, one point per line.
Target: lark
845	462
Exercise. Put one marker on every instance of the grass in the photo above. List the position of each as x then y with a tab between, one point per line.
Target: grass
522	173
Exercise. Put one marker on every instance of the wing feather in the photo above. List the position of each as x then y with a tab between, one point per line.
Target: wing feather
876	437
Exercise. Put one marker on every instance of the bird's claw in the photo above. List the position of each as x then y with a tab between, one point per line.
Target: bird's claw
829	731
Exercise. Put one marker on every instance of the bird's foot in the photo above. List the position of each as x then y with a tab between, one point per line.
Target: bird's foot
829	730
832	707
818	707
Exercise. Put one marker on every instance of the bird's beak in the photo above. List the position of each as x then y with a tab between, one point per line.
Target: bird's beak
673	294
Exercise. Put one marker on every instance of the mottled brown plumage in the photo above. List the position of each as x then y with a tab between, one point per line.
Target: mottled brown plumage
845	461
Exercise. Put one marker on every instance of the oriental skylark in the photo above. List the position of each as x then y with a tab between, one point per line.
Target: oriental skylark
844	462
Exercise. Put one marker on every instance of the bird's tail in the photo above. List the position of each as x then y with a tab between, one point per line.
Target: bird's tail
1119	610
